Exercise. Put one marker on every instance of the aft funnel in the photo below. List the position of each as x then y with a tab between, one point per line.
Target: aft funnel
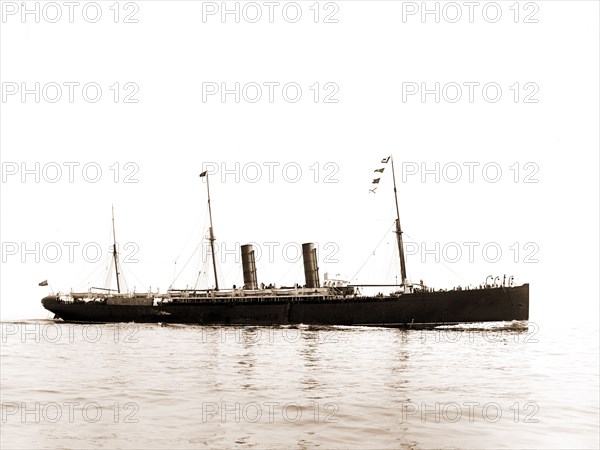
311	267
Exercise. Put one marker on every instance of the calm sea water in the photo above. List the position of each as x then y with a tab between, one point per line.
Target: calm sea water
149	386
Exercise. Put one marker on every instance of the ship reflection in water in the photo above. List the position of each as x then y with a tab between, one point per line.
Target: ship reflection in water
68	385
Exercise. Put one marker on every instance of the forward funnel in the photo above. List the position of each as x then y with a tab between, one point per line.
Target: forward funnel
249	267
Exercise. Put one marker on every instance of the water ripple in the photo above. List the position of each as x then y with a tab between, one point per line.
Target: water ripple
133	386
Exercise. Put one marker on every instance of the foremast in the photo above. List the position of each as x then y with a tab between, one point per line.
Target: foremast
399	231
211	234
115	254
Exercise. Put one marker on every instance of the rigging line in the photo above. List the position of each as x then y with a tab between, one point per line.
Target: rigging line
202	276
109	267
107	281
260	267
132	273
204	263
442	262
187	262
298	273
291	266
93	275
392	266
122	285
199	245
193	232
227	277
108	262
373	251
201	263
202	280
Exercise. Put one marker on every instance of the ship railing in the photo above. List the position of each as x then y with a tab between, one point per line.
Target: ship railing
101	296
283	292
241	295
282	299
248	293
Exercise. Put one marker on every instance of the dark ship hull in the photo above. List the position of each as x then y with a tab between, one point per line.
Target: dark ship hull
406	310
335	303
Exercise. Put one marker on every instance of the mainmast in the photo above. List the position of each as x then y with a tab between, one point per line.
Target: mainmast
115	256
399	231
211	234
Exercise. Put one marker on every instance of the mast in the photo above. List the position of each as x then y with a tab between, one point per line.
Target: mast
115	256
399	231
211	234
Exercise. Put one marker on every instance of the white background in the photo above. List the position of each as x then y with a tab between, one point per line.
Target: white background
171	133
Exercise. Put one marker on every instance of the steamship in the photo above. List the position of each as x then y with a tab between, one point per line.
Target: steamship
333	302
